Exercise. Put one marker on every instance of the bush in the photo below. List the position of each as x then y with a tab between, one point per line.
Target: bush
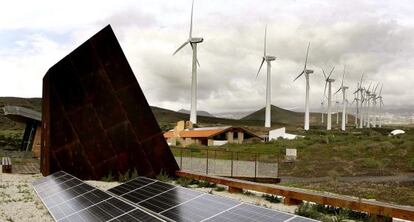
184	182
163	176
272	198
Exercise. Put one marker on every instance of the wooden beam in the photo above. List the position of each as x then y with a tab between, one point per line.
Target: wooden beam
357	204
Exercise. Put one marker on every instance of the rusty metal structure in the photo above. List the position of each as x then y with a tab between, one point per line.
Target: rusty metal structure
96	120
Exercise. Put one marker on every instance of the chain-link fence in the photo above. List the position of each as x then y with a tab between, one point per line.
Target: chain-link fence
227	163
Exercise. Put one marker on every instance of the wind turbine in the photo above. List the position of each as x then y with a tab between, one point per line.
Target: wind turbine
268	59
358	96
344	101
374	105
368	106
329	81
307	72
193	41
356	99
381	103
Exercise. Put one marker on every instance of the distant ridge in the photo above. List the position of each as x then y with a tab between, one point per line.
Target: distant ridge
278	115
199	113
168	118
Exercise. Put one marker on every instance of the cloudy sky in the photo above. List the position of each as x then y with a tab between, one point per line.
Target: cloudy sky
371	37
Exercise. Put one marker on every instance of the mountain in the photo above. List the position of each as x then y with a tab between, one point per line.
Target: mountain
278	115
232	115
199	113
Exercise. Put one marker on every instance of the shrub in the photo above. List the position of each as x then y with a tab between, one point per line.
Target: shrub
272	198
185	182
163	176
108	178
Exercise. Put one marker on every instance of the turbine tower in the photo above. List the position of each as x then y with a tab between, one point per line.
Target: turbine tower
329	81
268	59
193	41
307	72
344	101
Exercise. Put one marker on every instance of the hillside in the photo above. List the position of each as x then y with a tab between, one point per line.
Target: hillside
199	113
168	118
286	117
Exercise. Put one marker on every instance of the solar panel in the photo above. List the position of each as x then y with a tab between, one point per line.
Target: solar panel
182	204
69	199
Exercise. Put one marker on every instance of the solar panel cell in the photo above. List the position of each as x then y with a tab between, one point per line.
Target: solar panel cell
245	213
169	199
131	185
137	215
146	192
200	208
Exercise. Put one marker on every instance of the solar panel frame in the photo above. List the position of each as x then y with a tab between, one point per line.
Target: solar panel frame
87	203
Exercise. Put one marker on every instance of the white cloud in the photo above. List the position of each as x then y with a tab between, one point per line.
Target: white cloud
368	36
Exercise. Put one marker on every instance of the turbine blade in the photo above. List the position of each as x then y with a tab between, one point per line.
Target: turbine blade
264	51
307	53
381	89
331	72
375	90
263	59
323	71
182	46
343	77
299	75
362	76
192	47
191	21
324	91
338	90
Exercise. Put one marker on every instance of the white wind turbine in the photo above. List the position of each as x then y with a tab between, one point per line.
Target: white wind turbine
193	41
374	105
268	59
359	98
329	81
368	97
307	72
356	99
344	101
381	104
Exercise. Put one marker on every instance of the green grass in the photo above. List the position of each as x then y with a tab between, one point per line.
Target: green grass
332	214
352	153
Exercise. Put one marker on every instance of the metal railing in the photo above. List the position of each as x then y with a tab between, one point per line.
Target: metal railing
227	163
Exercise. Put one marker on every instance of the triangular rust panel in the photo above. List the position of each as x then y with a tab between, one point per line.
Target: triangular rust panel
95	117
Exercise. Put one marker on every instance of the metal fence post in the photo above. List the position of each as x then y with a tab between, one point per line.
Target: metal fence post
231	172
207	162
255	165
181	158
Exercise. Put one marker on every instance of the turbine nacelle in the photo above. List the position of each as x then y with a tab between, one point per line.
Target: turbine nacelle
269	58
195	40
330	80
308	71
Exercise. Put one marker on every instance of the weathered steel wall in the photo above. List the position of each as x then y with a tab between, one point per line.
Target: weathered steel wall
95	117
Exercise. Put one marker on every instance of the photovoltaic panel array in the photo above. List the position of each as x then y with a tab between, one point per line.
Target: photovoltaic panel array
69	199
181	204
